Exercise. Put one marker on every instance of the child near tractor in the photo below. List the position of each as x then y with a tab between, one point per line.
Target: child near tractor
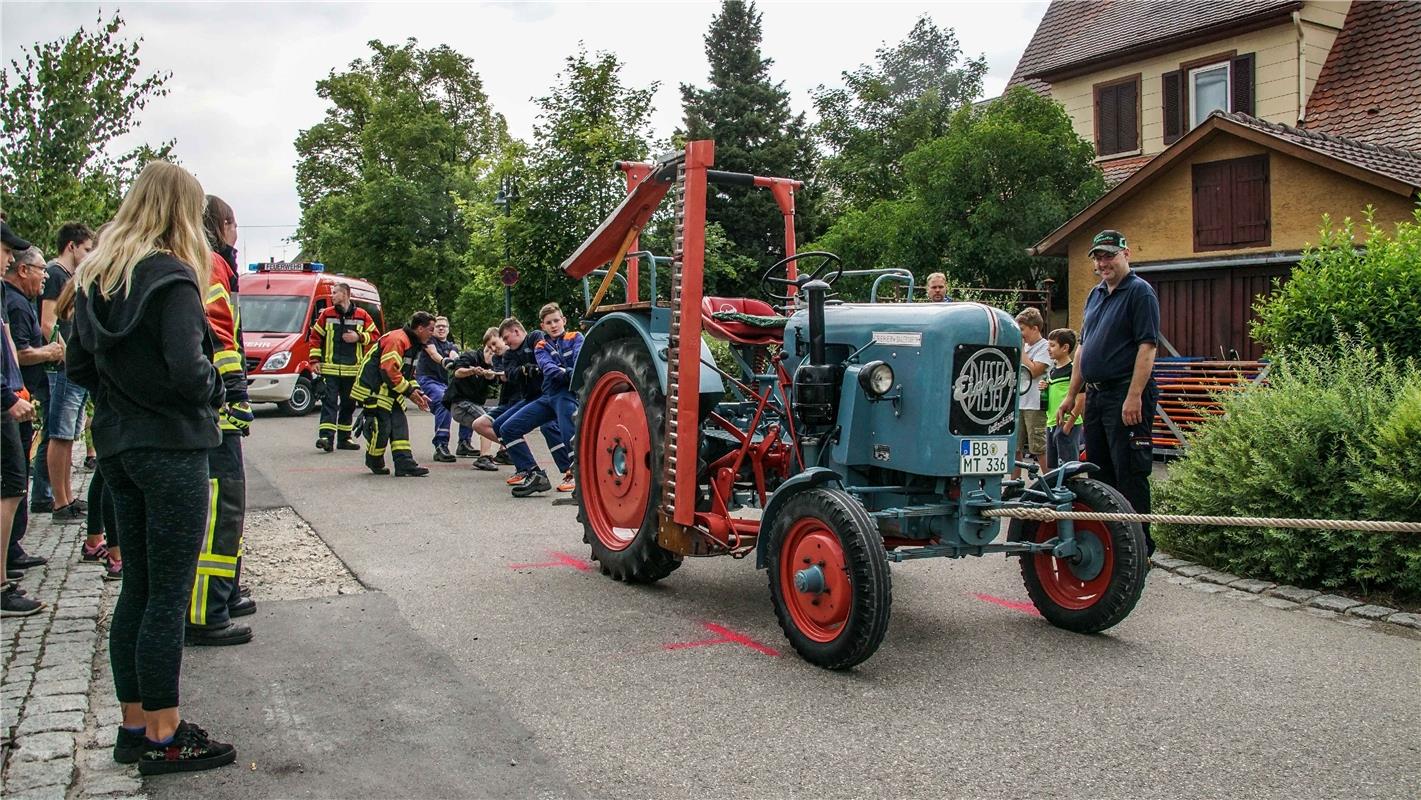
556	352
1063	441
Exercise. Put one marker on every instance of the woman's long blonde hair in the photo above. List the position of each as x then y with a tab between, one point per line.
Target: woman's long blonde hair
162	212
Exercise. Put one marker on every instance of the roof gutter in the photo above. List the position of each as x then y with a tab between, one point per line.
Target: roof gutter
1222	262
1302	68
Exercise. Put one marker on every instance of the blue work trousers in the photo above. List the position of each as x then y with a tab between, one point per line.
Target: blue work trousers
544	412
435	390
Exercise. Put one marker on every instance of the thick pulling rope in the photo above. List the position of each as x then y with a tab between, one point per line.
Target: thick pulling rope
1050	515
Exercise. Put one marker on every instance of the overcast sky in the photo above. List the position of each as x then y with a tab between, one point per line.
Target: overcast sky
244	74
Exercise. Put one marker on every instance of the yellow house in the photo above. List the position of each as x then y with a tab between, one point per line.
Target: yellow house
1228	131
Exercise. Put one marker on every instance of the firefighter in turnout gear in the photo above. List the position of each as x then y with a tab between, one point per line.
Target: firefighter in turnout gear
384	383
216	597
339	341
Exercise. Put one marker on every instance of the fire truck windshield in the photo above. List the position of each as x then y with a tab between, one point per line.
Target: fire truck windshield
274	313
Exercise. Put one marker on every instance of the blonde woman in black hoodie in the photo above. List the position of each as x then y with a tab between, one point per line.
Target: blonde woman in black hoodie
142	345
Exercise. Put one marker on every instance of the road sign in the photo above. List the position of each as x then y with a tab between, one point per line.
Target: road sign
509	276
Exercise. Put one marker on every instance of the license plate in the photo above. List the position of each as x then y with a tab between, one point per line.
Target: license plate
985	457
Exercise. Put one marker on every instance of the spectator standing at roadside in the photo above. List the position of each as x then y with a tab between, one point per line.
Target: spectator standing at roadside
63	416
215	596
433	380
1119	336
24	279
142	343
937	288
340	339
16	408
1063	439
1032	437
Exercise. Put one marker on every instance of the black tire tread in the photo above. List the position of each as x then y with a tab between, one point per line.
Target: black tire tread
643	561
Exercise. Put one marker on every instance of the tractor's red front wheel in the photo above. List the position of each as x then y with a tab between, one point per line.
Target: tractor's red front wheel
829	578
1099	586
621	418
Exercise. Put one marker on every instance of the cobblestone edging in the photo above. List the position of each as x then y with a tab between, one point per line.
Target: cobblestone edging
49	668
1289	598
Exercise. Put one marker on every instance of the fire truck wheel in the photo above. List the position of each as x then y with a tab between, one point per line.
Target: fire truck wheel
829	578
621	420
303	399
1099	588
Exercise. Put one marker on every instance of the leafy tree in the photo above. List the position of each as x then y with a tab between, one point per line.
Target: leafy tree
1001	177
754	130
62	109
883	112
408	132
567	184
1373	292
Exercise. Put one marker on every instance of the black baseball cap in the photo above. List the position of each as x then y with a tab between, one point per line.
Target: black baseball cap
12	240
1107	241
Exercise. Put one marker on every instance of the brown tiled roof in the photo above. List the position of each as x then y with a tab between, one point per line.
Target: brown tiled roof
1073	34
1119	169
1370	87
1393	162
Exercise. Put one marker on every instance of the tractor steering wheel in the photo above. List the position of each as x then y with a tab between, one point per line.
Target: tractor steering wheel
829	268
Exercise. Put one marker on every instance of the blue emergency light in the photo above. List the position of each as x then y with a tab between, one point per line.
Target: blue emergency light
286	266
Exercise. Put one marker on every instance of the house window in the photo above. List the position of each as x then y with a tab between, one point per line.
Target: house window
1222	82
1208	91
1231	204
1117	116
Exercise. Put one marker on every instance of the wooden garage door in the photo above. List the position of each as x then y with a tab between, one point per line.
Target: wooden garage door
1207	312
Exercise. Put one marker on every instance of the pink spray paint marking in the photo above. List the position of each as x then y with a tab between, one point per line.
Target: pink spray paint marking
723	636
560	560
1017	605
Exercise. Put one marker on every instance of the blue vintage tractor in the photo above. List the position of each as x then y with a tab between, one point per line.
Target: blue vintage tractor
846	435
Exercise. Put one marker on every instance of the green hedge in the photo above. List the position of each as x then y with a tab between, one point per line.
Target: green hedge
1336	434
1373	292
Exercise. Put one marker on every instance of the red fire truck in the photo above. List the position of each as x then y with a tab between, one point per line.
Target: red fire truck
279	303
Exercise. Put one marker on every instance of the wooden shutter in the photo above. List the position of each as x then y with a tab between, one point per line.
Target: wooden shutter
1241	80
1127	134
1213	216
1172	89
1106	122
1249	201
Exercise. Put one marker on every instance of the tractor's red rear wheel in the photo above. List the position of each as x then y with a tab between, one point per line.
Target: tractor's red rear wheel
1100	586
621	418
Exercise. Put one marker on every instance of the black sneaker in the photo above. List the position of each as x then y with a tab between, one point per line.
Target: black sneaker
537	481
412	470
502	457
190	750
323	444
14	604
71	514
41	506
442	454
485	464
129	746
465	451
26	561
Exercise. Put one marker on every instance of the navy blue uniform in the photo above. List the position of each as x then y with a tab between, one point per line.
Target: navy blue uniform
1116	324
557	403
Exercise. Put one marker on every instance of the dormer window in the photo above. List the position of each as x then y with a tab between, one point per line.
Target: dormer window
1223	82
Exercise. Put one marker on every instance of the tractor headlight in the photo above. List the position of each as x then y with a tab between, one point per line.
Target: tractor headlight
276	362
876	378
1023	379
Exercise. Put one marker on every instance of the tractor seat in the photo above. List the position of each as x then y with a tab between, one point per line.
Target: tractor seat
742	320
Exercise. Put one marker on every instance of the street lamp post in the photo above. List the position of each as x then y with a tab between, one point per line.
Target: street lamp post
506	197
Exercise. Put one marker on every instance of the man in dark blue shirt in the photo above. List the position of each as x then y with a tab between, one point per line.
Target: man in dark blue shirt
1118	340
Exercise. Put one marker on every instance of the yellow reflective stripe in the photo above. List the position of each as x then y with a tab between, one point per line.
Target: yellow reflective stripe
197	609
390	356
215	292
218	559
327	426
403	386
211	514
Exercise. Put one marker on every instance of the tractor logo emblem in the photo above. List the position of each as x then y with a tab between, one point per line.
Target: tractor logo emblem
984	387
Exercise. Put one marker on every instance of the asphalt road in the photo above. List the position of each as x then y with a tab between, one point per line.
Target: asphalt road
608	690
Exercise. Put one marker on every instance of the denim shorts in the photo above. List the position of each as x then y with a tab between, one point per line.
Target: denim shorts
64	419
